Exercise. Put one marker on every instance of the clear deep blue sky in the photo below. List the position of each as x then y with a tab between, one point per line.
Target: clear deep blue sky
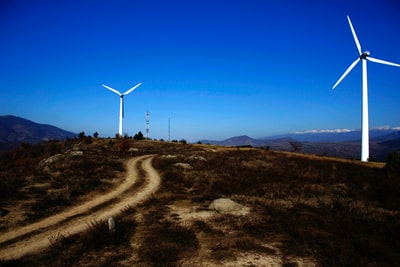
217	68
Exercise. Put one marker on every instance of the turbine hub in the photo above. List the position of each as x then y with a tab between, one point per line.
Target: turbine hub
364	55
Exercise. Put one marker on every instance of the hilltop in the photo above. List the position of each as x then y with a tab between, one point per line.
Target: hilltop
15	130
287	209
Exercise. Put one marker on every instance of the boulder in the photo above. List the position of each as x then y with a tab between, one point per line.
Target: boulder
50	160
76	153
228	206
183	166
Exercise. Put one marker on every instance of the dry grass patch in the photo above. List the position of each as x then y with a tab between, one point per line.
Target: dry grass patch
304	210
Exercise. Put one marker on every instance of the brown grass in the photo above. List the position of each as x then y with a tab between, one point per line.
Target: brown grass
335	212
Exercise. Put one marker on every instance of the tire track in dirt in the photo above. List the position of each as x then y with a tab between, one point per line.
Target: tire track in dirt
20	243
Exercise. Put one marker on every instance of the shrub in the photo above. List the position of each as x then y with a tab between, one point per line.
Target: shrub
124	145
88	140
81	135
393	162
138	136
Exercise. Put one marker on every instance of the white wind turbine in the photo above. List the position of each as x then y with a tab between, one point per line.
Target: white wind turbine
121	103
363	56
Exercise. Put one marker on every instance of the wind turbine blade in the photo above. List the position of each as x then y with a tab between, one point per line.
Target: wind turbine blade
346	72
111	89
133	88
355	36
382	61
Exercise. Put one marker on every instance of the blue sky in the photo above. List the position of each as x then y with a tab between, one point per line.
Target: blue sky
217	69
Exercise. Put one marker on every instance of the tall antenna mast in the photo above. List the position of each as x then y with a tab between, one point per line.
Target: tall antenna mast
147	124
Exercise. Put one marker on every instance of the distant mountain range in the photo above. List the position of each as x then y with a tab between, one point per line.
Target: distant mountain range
15	130
339	135
338	143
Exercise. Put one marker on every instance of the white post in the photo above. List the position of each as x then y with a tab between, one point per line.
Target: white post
111	224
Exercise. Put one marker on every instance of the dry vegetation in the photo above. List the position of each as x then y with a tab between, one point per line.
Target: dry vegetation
304	210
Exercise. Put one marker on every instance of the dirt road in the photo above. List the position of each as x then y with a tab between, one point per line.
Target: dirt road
35	237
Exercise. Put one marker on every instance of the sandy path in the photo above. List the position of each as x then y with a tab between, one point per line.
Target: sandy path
54	225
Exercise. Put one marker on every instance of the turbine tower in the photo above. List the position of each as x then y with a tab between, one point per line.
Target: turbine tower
363	56
121	104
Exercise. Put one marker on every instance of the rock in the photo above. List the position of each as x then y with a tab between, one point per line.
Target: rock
227	206
183	166
50	160
169	156
199	158
76	153
133	149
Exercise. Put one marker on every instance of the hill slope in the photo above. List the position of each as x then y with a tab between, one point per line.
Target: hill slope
344	145
15	130
295	210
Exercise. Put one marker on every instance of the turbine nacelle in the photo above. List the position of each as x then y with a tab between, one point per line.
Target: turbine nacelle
365	55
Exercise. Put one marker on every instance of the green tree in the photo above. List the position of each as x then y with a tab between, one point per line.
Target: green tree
138	136
81	135
96	134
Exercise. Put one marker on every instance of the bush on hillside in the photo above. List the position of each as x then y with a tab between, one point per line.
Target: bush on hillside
138	136
393	162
